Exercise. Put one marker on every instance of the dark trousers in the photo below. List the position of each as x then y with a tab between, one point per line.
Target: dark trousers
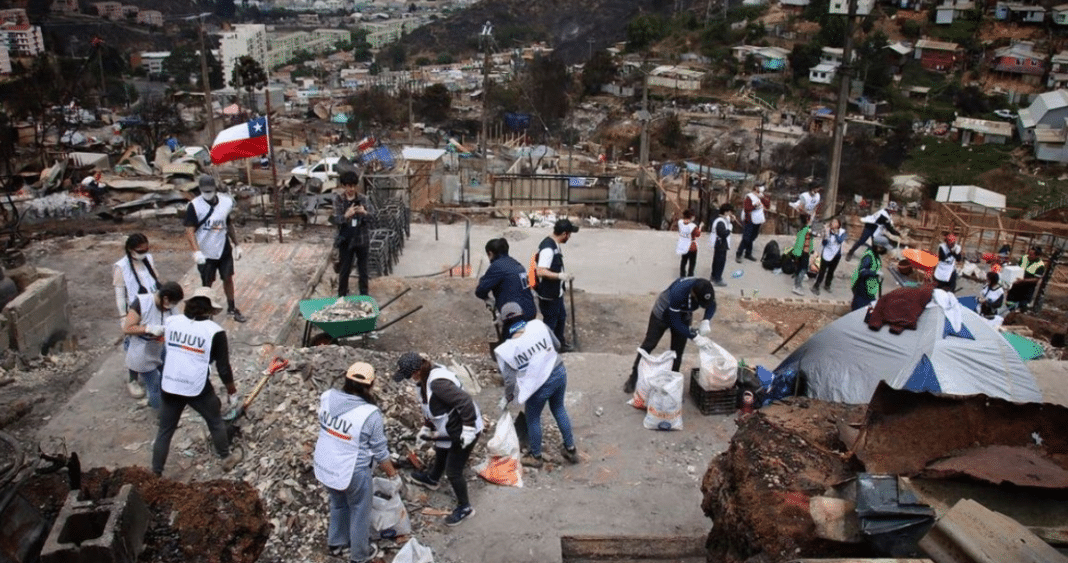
860	297
207	405
346	254
827	268
554	315
719	261
653	333
451	462
749	234
950	285
869	230
688	259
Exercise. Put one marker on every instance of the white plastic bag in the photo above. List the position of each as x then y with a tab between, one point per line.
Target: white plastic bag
647	367
389	518
414	552
502	464
664	410
719	368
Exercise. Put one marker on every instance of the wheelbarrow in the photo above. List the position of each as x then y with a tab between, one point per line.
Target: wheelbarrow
334	330
924	262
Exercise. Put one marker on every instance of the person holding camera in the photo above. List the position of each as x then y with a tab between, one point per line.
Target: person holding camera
354	214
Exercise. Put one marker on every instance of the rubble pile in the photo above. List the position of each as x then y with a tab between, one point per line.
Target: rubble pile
344	310
757	492
25	376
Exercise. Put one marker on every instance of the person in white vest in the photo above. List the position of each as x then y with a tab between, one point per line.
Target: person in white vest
144	327
211	235
686	247
452	421
132	275
809	201
945	273
721	242
875	227
534	374
193	342
352	440
752	219
992	296
833	238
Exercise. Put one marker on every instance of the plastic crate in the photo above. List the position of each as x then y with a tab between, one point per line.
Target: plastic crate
724	401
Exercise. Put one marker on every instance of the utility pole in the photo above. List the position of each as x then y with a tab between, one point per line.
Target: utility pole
760	142
270	154
486	37
846	72
411	115
100	64
210	115
645	117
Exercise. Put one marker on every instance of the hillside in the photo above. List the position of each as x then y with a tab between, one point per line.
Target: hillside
567	25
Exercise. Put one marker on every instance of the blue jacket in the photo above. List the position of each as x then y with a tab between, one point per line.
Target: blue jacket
507	279
675	305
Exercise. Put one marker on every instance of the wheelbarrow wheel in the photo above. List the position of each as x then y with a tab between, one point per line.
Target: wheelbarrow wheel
322	339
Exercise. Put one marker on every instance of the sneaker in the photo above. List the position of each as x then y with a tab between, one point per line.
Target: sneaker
798	291
459	515
340	551
375	552
570	454
750	258
135	390
566	348
849	257
738	259
423	480
532	461
816	289
230	462
236	314
720	283
827	288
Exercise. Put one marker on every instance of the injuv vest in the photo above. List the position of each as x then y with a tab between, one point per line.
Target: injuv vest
685	237
338	445
211	236
188	354
441	434
145	353
531	354
944	269
137	282
713	237
756	216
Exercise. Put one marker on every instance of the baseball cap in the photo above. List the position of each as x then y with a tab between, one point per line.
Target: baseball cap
508	312
704	292
361	372
408	364
951	238
207	293
206	181
564	226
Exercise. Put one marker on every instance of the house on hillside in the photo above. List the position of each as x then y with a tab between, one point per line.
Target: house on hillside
769	58
679	78
1020	60
1058	71
1019	13
952	10
1051	145
941	56
981	131
1059	15
822	73
1049	111
64	7
898	54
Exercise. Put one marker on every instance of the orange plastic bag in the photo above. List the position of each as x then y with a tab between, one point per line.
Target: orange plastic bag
502	466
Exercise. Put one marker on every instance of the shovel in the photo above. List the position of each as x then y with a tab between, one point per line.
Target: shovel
277	365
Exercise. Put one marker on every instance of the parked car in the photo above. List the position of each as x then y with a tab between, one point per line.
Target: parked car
325	171
1005	114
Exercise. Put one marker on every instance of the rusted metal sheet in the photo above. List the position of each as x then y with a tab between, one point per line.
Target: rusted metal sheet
576	549
1002	464
904	432
971	533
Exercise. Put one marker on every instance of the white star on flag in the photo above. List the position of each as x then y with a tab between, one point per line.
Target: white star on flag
257	127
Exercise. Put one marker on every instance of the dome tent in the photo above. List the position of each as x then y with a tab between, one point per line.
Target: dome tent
952	350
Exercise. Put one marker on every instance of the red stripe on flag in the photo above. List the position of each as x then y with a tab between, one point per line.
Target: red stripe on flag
241	148
337	434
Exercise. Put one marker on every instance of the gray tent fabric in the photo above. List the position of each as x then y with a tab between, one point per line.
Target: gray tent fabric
845	361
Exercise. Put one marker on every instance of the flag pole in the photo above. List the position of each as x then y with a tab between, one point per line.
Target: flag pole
274	168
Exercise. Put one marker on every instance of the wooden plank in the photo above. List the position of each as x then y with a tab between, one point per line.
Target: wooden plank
1054	536
617	548
857	560
971	533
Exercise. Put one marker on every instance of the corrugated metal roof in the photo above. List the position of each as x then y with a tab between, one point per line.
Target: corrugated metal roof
1047	135
984	126
936	45
422	154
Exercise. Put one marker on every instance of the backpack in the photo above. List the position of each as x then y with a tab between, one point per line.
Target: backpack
532	272
788	264
771	257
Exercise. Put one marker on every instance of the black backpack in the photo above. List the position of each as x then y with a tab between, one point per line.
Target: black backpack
771	257
788	264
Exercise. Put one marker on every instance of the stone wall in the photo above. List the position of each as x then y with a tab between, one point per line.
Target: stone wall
40	315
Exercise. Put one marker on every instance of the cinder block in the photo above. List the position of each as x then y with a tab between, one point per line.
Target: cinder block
39	313
107	531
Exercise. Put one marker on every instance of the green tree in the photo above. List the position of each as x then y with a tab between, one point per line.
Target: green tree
225	8
376	107
248	74
184	63
392	56
803	57
434	103
545	87
873	65
644	30
599	70
832	31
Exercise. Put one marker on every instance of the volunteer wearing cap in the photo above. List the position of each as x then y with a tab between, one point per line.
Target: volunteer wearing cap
673	310
506	278
945	273
753	217
192	342
875	227
354	215
133	275
551	278
144	326
452	421
211	236
721	242
352	440
534	374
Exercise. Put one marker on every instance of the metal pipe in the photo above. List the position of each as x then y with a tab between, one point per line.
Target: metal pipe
398	318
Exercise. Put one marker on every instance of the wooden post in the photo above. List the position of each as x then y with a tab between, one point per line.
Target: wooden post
274	168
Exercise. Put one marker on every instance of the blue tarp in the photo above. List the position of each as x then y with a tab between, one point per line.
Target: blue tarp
716	173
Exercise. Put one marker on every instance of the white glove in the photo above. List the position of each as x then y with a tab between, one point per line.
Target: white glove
705	328
956	249
566	277
467	436
154	330
237	253
199	257
702	341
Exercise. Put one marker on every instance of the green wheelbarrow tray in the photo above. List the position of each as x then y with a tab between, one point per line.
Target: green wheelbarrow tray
342	328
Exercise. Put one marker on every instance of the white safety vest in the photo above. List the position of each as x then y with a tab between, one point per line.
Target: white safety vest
832	247
211	236
992	295
809	202
685	237
440	422
713	236
756	216
188	354
138	271
338	445
944	269
532	355
145	353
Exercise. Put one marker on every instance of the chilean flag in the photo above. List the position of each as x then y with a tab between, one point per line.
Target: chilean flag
241	141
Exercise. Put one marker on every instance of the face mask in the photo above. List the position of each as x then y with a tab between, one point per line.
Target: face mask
138	255
208	194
